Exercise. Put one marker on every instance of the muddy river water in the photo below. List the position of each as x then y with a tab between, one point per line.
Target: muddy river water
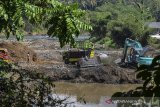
94	94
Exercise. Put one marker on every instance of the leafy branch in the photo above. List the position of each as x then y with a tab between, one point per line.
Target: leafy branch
62	21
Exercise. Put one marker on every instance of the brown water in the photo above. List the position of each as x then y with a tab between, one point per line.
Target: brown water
93	92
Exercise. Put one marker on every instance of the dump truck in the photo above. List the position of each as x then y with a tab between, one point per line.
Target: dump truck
83	55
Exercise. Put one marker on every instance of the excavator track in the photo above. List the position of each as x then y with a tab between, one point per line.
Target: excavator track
91	62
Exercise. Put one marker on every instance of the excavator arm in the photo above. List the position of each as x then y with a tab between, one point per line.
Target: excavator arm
136	53
136	46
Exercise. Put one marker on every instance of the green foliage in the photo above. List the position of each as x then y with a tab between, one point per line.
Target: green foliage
23	88
66	24
109	43
154	8
99	22
120	21
63	21
151	86
4	65
84	4
154	42
14	14
122	18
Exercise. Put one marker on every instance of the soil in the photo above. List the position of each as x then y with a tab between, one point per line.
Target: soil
18	51
45	57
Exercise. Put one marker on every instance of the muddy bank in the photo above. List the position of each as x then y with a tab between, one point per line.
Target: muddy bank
91	75
101	74
49	61
18	51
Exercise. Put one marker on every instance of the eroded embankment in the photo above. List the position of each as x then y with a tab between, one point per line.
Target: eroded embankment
103	74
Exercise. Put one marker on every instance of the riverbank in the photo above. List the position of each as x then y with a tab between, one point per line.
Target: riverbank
45	57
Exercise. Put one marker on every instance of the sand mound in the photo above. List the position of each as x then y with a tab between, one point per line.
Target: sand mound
18	51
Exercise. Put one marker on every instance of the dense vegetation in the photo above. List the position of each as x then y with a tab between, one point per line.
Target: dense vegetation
23	88
114	21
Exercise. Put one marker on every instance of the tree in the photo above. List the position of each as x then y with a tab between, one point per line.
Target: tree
66	24
154	8
24	88
14	14
120	21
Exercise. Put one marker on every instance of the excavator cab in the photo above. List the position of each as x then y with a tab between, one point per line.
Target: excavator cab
134	54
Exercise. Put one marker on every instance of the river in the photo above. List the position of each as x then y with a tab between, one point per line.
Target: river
94	94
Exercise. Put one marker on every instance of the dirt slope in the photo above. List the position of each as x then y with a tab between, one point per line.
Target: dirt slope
18	51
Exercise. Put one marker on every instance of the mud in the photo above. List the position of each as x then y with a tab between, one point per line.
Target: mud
45	57
18	51
102	74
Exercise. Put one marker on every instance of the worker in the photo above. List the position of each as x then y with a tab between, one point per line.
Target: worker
28	57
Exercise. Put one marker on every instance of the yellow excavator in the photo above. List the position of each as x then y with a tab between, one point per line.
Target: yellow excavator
83	55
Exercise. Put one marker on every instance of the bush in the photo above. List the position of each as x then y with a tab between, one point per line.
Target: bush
154	42
22	88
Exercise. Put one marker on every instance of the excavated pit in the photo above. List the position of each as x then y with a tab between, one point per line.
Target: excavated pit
45	57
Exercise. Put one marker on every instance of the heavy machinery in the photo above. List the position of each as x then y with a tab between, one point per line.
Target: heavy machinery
82	55
4	56
135	54
5	60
